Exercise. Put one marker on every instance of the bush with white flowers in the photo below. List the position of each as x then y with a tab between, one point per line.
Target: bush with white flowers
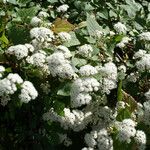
75	75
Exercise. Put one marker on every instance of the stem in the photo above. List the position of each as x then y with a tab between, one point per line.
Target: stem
119	91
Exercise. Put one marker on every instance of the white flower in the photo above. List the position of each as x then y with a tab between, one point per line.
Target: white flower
122	68
120	105
80	99
87	148
2	69
60	66
56	59
20	51
126	130
42	34
65	71
124	41
35	21
88	70
63	8
139	54
99	34
140	137
64	36
147	95
37	59
104	141
30	47
120	28
8	84
28	92
146	113
64	50
132	77
145	36
80	91
85	50
15	78
144	63
112	33
109	70
43	14
90	140
75	120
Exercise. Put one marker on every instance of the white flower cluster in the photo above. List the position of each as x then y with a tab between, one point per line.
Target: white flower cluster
37	59
100	138
64	50
124	41
145	36
8	86
87	70
120	28
99	34
2	69
80	91
40	19
139	54
43	14
62	8
122	68
109	80
35	21
102	116
76	120
20	51
28	92
120	105
41	37
140	139
144	113
87	148
147	95
126	130
64	36
60	66
144	63
85	50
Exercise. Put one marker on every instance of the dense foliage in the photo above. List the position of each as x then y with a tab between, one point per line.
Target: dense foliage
74	74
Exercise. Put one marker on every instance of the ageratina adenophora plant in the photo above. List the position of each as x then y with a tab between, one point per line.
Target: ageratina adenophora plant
75	75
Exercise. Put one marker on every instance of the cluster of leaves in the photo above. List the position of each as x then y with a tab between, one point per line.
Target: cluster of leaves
20	124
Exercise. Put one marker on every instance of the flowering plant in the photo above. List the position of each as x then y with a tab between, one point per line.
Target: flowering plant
75	75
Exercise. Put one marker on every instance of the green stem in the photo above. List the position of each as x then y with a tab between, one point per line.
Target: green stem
119	91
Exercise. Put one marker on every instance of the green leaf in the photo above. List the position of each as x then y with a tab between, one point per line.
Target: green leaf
79	61
73	42
65	90
4	39
52	1
19	34
27	13
12	1
92	25
103	14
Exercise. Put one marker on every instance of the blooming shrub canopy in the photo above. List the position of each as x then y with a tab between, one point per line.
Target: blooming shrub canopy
75	74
